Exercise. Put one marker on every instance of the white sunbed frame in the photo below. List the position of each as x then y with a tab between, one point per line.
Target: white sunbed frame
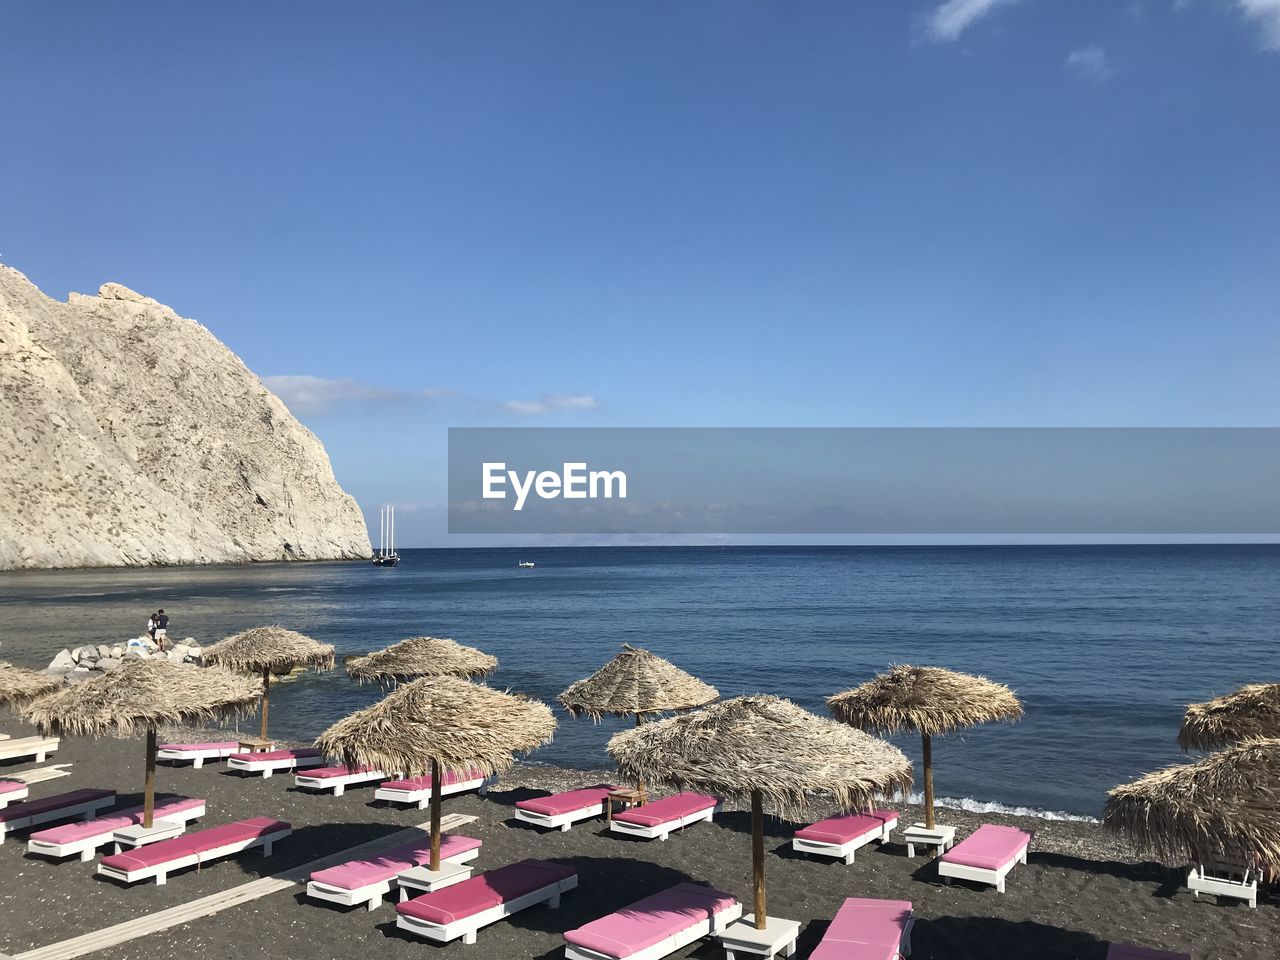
268	767
373	893
845	851
980	874
562	821
422	797
337	784
13	796
197	757
38	748
1224	880
708	927
466	927
161	871
87	847
85	810
662	830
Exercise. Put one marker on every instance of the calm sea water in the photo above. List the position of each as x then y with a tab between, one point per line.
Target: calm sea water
1106	645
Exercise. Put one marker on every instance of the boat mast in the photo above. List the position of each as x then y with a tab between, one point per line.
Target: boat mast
391	535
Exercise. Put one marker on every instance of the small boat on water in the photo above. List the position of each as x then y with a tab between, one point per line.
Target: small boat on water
386	555
525	563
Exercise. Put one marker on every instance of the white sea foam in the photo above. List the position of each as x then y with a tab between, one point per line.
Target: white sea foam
969	805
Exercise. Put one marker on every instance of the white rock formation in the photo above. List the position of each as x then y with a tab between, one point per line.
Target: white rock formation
130	435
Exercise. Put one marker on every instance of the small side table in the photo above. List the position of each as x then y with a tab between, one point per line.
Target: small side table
140	836
418	880
918	835
256	745
778	938
628	798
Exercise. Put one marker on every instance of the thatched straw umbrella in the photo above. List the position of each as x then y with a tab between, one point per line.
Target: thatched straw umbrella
439	725
267	651
18	684
139	697
1251	712
421	657
928	700
1223	807
636	683
763	750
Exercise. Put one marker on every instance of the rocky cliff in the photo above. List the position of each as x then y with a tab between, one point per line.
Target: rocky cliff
130	435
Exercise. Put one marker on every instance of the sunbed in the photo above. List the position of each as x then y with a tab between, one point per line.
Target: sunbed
85	838
659	818
563	810
418	789
841	837
1223	879
196	753
37	748
336	779
1124	951
655	926
275	761
63	806
367	881
986	855
461	910
867	930
11	791
158	860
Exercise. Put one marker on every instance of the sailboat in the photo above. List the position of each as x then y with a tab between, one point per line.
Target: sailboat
386	555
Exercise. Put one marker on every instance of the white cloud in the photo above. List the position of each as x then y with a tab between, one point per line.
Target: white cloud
1267	15
952	18
1091	63
304	394
550	403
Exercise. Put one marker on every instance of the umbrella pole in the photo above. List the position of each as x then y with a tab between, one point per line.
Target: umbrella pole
639	779
266	698
149	791
927	750
757	857
435	815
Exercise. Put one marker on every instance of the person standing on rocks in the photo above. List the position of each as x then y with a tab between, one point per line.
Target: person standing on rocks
151	626
162	628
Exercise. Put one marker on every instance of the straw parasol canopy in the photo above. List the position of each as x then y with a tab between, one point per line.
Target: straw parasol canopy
421	657
763	750
139	697
635	683
18	684
1224	807
267	651
928	700
1251	712
438	725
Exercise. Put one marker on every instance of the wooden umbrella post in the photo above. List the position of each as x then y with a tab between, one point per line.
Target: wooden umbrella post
435	815
149	790
927	750
266	697
757	857
639	779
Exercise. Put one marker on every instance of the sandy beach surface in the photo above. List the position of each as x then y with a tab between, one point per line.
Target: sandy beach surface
1081	889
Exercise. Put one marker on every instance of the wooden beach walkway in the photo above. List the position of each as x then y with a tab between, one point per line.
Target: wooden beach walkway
223	900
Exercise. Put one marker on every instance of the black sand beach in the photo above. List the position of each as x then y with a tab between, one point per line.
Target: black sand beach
1080	890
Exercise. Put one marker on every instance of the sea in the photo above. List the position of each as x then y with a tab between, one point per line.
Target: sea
1106	645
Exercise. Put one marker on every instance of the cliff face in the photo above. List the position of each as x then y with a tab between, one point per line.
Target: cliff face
130	435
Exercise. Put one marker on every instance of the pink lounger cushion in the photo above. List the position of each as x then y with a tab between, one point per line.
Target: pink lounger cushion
424	783
327	773
274	755
361	873
11	786
880	922
667	809
990	847
561	803
199	747
846	828
473	896
650	920
202	841
72	832
22	810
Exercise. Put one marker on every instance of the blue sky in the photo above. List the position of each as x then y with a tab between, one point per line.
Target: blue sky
409	216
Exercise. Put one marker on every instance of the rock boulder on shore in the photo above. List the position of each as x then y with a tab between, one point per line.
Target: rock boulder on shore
132	436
